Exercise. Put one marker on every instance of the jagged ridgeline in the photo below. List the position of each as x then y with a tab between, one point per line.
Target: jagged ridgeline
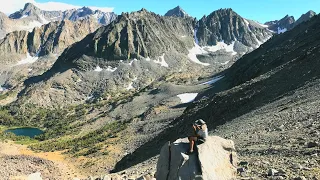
50	38
288	22
31	16
138	35
140	47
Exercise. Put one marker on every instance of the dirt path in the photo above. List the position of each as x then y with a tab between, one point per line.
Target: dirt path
60	161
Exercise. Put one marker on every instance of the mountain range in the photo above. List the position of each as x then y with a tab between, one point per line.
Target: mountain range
31	16
111	90
138	38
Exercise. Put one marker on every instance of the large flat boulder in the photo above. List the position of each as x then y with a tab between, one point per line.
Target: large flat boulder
214	160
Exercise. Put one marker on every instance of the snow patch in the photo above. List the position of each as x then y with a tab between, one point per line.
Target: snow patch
29	70
111	69
147	59
98	16
213	80
220	46
24	16
193	54
131	62
43	20
225	63
2	89
28	60
263	25
130	86
98	69
161	61
280	31
187	97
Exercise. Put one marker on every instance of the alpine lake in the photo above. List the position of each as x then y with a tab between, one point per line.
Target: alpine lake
26	131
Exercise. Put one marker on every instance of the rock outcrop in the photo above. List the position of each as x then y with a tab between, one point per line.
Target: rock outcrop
214	160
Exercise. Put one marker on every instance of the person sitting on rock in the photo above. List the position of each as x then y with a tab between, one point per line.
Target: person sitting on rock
200	133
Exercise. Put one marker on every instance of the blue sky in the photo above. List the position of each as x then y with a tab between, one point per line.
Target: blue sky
259	10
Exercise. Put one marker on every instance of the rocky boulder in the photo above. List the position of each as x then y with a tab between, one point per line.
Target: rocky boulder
215	159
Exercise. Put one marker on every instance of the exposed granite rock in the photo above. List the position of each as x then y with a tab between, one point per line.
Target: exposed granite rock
214	159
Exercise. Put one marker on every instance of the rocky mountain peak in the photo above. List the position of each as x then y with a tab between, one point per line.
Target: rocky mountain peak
311	13
288	22
86	10
225	25
289	19
135	35
177	12
282	25
305	17
28	10
30	6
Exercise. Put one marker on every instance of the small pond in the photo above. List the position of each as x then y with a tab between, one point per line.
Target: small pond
30	132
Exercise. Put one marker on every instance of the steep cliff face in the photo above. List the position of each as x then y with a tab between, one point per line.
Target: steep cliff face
50	38
14	46
227	26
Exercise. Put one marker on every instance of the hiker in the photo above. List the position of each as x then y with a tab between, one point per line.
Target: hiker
200	133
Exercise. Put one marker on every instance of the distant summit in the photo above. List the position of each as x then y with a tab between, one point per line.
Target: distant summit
177	12
31	16
28	10
288	22
305	17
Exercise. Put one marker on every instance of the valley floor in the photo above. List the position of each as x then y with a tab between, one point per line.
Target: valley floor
17	162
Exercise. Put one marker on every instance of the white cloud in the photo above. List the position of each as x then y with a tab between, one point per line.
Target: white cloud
9	7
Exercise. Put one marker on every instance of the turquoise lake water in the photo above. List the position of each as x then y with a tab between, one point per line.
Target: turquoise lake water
30	132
